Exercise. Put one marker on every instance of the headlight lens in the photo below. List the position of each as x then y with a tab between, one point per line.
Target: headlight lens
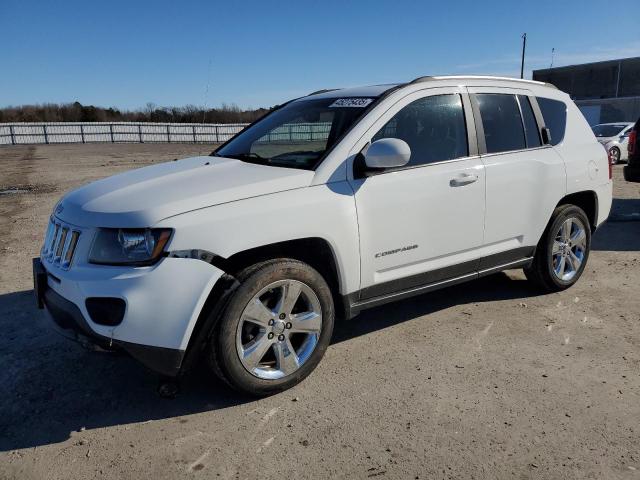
126	246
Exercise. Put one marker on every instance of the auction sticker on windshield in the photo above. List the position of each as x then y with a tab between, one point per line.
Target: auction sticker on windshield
351	102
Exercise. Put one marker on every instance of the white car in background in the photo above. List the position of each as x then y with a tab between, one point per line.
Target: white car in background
333	203
614	137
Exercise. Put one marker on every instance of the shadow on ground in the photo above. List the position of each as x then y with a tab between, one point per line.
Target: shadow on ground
624	207
52	386
621	233
487	289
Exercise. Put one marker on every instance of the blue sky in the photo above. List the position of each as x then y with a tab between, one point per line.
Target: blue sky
127	53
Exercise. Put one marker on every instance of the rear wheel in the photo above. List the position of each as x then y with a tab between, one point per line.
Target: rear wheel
614	155
275	328
561	255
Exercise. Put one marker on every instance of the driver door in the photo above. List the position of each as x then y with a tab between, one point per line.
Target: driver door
422	223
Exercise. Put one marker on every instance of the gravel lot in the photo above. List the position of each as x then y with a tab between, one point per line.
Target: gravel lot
484	380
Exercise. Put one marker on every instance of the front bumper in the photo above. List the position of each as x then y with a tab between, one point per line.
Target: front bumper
163	304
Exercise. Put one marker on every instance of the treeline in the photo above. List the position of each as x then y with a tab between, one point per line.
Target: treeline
76	112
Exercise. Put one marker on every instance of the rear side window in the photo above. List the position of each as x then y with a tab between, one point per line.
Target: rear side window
531	131
433	127
554	113
501	122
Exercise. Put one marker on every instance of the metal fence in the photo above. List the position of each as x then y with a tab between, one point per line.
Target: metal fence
129	132
298	132
118	132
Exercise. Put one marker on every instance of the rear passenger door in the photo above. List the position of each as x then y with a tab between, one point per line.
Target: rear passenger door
524	176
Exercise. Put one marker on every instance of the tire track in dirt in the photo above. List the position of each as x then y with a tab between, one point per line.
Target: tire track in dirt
15	173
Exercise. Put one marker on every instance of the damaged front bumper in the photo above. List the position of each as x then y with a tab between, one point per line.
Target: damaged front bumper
160	314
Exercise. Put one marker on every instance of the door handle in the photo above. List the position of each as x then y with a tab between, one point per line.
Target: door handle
463	179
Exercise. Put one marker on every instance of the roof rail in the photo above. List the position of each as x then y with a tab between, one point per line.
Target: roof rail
425	78
477	77
324	90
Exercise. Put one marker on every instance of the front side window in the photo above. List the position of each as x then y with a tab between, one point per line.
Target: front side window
501	121
554	113
433	127
298	134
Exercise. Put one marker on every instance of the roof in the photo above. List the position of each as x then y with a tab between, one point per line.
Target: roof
481	77
377	90
366	91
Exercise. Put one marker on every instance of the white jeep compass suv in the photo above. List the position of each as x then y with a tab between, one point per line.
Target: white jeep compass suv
330	204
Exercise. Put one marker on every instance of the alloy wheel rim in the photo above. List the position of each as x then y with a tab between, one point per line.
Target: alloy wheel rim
615	155
569	249
279	329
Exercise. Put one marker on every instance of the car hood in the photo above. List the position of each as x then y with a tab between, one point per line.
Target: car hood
142	197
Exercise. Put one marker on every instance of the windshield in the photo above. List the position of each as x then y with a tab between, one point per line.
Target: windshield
298	134
608	130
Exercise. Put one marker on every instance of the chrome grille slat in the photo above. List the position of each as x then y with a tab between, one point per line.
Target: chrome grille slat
60	244
71	248
47	239
54	239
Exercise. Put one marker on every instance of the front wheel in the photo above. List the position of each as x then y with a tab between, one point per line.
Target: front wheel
561	255
275	329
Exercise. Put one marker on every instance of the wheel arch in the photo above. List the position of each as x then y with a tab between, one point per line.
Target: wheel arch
315	251
587	200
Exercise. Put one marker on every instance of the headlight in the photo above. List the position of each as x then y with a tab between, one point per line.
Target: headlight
127	246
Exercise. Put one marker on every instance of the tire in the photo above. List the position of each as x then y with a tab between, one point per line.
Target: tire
614	155
280	340
555	265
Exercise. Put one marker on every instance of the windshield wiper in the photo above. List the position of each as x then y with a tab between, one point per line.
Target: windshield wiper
298	153
249	157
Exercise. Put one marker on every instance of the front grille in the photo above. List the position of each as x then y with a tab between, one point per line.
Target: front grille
60	244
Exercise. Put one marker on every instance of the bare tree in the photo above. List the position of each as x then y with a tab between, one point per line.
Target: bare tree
76	112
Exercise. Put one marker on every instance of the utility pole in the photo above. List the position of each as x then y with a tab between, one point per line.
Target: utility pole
524	46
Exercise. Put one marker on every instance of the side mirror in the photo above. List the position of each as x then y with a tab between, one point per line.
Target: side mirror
387	153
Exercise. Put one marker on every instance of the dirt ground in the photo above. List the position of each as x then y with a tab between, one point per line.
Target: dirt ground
484	380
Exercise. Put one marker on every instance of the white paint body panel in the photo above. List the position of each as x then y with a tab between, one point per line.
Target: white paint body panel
419	207
586	161
516	212
322	211
142	197
162	301
229	206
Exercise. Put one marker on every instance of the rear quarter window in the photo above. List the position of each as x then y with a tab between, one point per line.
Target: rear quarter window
554	113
